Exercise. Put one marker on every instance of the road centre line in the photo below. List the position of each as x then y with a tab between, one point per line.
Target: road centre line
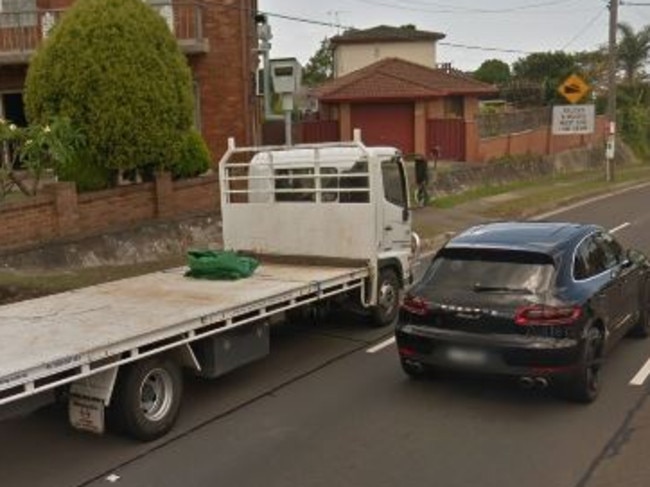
641	376
620	227
379	347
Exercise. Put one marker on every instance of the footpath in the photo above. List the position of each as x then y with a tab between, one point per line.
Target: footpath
623	462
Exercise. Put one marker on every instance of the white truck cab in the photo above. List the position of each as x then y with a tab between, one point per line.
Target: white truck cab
337	201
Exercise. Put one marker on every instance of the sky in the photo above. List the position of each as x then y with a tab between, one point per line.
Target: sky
476	30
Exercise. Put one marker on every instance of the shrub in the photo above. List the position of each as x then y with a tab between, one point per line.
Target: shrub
194	157
115	70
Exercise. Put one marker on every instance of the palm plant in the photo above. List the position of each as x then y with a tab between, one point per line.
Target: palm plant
633	51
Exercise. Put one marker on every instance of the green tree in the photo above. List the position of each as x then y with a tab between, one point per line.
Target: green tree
633	50
115	70
320	66
493	71
548	69
593	66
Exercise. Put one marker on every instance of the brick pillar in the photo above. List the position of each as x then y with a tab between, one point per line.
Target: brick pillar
65	207
549	140
420	142
345	122
472	142
164	193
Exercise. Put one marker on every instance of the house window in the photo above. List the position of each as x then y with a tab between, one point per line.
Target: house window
18	13
454	107
12	110
165	9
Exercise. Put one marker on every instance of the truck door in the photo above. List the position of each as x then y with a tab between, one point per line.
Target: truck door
396	233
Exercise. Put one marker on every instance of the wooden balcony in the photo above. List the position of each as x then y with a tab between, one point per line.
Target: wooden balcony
22	32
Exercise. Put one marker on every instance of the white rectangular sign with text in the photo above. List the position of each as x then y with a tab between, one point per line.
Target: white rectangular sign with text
574	119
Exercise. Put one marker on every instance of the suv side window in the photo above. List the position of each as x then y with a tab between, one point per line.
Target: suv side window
580	267
590	259
612	249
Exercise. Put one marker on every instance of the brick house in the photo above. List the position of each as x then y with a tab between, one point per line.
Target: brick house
218	37
358	48
388	83
407	105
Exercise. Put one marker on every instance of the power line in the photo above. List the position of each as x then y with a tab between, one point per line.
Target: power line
584	29
337	25
449	44
483	48
465	9
452	9
304	20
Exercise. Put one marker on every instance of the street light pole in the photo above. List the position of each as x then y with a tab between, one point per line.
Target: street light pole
611	85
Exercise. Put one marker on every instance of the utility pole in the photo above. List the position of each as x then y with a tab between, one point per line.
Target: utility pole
611	86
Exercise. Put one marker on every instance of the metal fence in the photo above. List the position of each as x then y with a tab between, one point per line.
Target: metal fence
22	31
495	124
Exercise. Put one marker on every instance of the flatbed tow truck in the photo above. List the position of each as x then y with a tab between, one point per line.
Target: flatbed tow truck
327	221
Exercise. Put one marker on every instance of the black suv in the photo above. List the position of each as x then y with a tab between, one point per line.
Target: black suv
541	301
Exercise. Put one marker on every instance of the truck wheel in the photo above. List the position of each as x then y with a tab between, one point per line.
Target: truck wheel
387	308
147	398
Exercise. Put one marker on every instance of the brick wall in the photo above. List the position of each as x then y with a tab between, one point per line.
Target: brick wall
539	141
59	213
226	74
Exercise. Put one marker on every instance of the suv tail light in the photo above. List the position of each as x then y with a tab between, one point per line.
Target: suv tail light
544	315
416	305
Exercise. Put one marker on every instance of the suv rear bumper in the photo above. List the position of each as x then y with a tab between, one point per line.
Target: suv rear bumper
516	355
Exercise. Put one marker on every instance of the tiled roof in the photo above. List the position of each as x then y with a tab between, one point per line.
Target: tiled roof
395	78
386	33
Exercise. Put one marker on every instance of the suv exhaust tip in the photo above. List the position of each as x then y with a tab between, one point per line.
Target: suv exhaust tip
526	383
541	382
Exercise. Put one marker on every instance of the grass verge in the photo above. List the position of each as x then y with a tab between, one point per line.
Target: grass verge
562	191
16	286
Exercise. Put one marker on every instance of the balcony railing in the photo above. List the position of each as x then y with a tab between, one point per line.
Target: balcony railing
22	32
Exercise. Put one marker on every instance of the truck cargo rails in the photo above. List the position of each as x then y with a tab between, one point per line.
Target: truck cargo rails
326	221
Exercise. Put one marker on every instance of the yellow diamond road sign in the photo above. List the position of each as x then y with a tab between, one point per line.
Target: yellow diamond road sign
574	88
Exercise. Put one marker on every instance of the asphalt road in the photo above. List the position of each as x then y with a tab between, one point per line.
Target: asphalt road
322	410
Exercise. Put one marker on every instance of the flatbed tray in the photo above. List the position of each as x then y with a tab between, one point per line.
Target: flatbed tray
56	339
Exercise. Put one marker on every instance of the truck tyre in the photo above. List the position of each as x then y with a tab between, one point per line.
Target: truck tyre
388	290
147	398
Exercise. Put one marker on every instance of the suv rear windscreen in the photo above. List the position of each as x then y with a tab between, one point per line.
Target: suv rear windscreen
487	270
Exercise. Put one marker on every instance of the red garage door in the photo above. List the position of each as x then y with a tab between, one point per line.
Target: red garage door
389	124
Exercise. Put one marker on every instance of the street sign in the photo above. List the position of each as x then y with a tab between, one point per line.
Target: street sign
574	88
574	119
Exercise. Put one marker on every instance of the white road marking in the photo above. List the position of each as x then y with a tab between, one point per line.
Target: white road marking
113	478
381	346
641	376
620	227
589	201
